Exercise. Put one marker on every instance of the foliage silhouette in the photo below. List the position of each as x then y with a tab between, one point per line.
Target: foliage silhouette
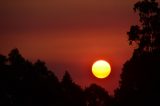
146	35
139	84
73	93
23	83
27	84
97	96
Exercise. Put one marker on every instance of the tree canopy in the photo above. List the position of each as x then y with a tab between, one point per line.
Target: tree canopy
23	83
147	33
139	80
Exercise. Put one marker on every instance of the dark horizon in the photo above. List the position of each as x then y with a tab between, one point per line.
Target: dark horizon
47	49
70	35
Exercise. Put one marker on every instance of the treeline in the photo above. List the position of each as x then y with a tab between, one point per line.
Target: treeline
23	83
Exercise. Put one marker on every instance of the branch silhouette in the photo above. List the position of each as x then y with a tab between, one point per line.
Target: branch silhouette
139	83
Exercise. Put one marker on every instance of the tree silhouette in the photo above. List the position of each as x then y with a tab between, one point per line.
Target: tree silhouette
46	87
3	60
97	96
15	58
139	84
23	83
26	84
73	93
146	35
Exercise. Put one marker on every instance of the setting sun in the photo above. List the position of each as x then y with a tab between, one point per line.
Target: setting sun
101	69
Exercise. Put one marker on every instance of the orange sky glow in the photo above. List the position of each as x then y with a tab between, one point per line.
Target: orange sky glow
70	35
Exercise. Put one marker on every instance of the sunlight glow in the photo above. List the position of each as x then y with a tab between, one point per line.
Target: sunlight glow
101	69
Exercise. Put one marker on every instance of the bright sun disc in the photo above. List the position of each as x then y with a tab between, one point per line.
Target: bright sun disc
101	69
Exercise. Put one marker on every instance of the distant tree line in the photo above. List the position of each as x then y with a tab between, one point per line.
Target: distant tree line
23	83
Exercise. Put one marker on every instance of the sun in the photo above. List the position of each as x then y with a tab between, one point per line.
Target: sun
101	69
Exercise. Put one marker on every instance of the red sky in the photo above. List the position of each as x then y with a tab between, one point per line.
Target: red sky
70	35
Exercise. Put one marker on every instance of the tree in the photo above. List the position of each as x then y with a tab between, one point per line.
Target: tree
97	96
73	94
3	60
66	80
25	84
139	83
147	34
45	86
15	58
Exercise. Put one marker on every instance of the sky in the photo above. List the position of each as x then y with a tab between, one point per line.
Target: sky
70	35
